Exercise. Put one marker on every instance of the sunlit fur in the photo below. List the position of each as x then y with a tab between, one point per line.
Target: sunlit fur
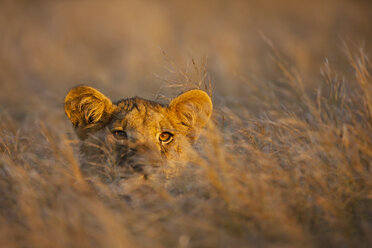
96	119
287	162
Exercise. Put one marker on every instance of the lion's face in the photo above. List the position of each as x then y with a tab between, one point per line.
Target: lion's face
135	133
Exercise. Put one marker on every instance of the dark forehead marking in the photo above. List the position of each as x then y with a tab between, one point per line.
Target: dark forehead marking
130	103
143	106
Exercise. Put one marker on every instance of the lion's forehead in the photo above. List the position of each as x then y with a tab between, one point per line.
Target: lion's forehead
142	115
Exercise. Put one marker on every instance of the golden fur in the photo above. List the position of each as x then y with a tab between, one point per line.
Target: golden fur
135	132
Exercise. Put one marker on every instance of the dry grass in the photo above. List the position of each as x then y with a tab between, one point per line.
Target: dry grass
286	163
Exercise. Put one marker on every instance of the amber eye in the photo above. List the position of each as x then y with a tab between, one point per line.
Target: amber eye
165	137
119	134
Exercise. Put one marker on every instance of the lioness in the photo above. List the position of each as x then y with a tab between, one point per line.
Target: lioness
133	133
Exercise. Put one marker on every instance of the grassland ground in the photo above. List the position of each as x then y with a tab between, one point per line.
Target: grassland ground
286	161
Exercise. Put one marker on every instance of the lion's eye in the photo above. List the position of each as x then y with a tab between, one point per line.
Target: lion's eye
120	134
165	137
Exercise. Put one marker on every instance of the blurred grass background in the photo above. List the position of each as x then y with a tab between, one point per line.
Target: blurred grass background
128	48
289	164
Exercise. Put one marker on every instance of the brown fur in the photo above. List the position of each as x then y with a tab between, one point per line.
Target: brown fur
128	132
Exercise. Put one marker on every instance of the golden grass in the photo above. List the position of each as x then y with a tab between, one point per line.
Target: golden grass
286	162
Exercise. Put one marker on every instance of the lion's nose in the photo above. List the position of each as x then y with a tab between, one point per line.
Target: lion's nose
133	152
138	167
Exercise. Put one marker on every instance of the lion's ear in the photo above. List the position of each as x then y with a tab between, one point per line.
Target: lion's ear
88	109
193	108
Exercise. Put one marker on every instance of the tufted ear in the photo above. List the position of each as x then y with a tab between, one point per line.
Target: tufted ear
88	109
193	108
